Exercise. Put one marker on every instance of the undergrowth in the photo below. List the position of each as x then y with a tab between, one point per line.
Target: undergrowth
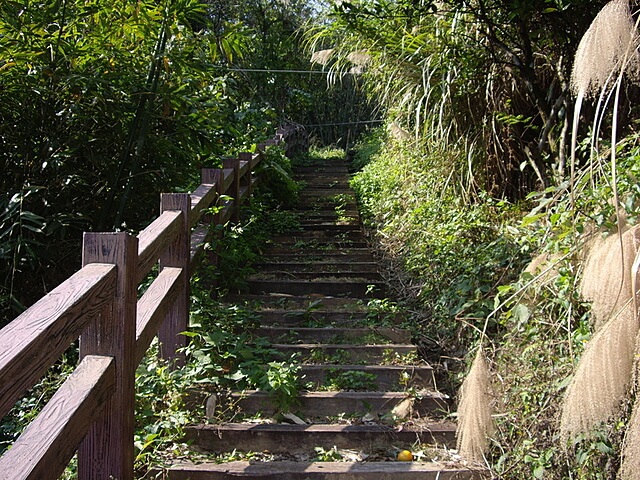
448	257
460	267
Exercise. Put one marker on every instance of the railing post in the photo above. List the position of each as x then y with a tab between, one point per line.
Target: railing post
248	181
176	255
234	190
107	450
213	176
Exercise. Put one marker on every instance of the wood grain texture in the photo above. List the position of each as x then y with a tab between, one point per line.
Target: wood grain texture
37	338
46	446
253	158
199	237
226	213
107	450
234	188
154	239
227	180
201	199
243	167
176	255
244	193
154	305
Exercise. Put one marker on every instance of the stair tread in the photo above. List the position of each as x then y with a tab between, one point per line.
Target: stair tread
346	394
430	426
278	469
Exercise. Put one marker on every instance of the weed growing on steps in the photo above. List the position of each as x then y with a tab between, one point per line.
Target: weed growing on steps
349	380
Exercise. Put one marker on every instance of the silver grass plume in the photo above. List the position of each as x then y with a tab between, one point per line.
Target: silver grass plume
602	378
605	371
322	57
605	52
630	464
475	423
604	48
607	277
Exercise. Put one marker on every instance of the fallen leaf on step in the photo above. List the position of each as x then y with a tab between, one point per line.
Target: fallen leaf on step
294	418
404	409
370	417
210	406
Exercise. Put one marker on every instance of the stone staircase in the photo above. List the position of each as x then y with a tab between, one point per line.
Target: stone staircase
366	395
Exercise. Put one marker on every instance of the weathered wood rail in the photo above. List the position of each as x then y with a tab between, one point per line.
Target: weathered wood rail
92	413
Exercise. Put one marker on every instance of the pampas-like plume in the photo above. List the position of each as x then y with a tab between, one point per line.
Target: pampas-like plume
607	278
605	371
630	465
604	48
603	376
322	56
605	52
475	423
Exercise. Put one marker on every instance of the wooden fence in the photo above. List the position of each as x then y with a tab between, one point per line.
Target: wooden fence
92	413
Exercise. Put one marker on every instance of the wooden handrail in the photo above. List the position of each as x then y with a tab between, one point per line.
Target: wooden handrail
94	407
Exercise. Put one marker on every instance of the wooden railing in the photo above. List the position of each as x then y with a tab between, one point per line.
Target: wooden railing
92	413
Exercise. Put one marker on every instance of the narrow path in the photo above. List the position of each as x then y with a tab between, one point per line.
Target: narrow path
366	395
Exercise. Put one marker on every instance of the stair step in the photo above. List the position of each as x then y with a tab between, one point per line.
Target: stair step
329	189
335	354
338	166
286	254
310	234
343	288
316	405
292	439
311	243
334	227
328	214
390	378
311	206
275	302
329	221
290	470
311	318
333	334
337	276
319	266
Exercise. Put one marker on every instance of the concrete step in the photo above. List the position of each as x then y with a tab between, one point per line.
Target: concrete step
353	288
297	242
336	187
325	208
341	354
322	177
294	439
330	220
339	166
318	266
318	405
345	255
289	274
311	318
334	335
291	470
276	302
336	231
329	213
390	378
333	227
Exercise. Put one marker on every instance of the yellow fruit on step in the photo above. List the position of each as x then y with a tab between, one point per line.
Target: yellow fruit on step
405	456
